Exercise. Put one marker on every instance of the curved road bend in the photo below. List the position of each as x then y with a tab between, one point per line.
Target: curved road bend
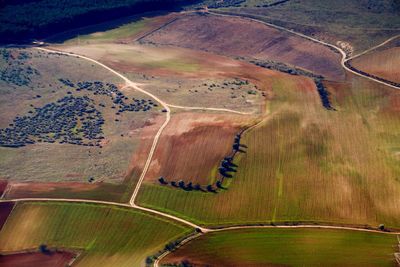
344	56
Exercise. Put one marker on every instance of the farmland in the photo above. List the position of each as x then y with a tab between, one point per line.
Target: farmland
52	259
355	25
287	247
200	136
332	161
383	62
109	236
205	139
185	77
251	39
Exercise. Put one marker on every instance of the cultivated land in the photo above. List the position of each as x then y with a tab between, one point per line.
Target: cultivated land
316	151
355	25
287	247
383	62
185	77
241	37
342	165
51	259
108	236
205	139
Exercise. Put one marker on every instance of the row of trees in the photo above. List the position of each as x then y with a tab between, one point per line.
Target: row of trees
226	168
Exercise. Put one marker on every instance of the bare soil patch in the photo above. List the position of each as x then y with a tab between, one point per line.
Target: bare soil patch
243	37
384	64
192	146
53	259
5	210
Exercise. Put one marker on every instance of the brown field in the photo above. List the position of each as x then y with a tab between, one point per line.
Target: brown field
30	259
3	186
5	210
242	37
381	63
192	146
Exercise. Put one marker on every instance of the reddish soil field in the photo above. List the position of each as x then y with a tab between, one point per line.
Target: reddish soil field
5	210
30	259
3	186
242	37
192	146
384	64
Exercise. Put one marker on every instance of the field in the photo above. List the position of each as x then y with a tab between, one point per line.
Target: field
304	163
123	30
42	80
383	62
108	236
5	210
356	25
245	38
204	139
185	77
287	247
53	259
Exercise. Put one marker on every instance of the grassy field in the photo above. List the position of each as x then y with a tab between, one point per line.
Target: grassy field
304	163
43	162
288	247
108	236
355	22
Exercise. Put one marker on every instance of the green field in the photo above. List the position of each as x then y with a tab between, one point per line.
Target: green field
108	236
288	247
304	163
125	30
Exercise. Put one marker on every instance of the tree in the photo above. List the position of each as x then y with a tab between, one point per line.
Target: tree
189	186
210	188
162	180
43	249
181	184
197	187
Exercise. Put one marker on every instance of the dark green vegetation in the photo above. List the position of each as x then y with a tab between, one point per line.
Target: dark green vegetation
107	236
57	122
23	20
288	247
356	24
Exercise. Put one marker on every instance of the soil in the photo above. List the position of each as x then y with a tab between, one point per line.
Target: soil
242	37
52	259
